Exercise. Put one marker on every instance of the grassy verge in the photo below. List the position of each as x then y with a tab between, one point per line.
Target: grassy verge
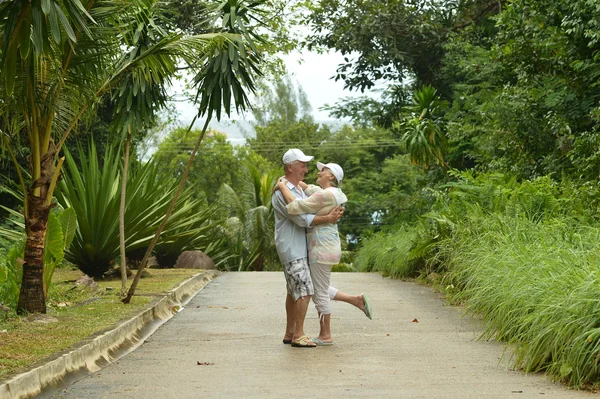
536	286
79	312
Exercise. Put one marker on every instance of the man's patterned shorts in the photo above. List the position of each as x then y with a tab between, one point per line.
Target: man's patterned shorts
297	276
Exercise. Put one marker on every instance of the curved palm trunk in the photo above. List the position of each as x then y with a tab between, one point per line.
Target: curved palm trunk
144	261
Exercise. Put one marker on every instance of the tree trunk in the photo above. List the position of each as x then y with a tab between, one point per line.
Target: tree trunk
32	298
122	218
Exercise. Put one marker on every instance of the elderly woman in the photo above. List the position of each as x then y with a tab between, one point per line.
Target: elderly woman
324	247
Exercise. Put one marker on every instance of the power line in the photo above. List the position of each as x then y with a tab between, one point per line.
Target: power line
299	143
281	148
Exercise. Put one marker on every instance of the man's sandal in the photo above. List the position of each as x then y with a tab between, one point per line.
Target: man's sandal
303	342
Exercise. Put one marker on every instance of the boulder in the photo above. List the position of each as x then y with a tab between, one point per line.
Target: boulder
194	260
88	282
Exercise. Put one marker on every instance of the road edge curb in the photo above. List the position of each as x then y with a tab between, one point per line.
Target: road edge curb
102	348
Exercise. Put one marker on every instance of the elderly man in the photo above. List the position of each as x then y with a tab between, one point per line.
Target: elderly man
290	240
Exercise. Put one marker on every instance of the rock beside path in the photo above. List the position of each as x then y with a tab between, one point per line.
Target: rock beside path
194	260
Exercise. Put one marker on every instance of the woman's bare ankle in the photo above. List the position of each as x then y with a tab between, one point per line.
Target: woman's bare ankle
359	302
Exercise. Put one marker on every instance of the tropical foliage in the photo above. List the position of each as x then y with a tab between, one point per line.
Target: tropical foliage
94	191
218	164
61	230
250	224
59	59
498	102
490	242
477	168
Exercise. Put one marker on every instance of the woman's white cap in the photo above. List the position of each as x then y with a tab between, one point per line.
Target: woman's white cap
335	169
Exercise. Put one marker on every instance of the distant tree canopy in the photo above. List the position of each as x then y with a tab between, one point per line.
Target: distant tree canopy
394	39
520	77
284	120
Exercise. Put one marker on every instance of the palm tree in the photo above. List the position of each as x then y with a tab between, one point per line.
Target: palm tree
142	92
423	132
60	58
251	223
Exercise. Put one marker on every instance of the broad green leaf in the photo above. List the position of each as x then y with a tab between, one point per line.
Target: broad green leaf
39	31
46	6
54	249
565	370
10	66
25	40
68	221
48	272
54	25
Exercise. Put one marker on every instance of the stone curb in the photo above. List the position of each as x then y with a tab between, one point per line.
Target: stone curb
107	346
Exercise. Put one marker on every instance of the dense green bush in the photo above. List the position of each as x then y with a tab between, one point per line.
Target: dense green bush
10	274
61	228
388	254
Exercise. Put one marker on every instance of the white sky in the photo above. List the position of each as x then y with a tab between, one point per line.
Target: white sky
314	72
310	70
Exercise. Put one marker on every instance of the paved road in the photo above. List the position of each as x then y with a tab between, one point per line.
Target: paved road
227	344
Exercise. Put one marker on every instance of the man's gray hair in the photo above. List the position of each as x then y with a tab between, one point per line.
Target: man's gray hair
285	165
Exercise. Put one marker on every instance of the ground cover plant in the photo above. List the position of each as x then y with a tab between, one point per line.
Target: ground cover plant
80	313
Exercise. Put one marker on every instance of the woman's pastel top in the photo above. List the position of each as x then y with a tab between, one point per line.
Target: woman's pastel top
323	240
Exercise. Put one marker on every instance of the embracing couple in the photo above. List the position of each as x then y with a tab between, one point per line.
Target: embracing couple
307	268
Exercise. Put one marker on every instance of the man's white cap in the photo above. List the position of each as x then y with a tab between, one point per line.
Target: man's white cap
335	169
295	155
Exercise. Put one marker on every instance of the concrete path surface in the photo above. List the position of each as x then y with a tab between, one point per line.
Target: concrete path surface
226	343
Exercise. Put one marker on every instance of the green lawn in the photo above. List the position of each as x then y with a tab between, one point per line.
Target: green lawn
80	313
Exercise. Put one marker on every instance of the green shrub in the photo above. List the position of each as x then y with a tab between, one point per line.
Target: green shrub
61	228
523	255
343	268
11	272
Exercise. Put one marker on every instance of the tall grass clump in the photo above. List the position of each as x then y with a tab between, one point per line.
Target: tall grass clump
388	254
524	256
537	286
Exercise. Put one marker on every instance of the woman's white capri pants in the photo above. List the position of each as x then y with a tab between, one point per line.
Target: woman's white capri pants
324	293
